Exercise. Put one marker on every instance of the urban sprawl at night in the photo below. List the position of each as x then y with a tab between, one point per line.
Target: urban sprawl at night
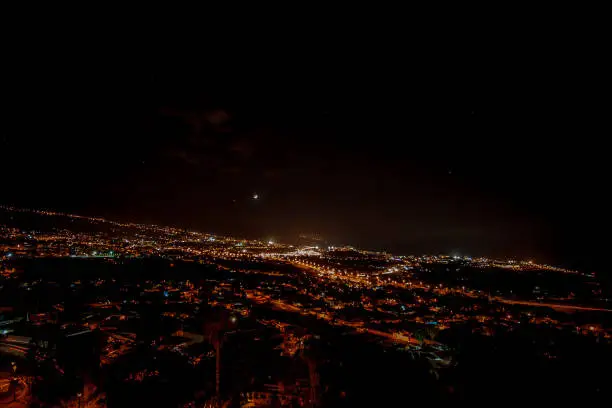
97	313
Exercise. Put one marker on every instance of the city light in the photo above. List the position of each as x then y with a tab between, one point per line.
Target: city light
189	297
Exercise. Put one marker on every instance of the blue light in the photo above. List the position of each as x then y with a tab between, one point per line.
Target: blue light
165	293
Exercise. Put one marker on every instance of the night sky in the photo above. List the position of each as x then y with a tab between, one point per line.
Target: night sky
480	147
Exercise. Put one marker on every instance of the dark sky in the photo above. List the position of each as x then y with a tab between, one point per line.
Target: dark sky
479	144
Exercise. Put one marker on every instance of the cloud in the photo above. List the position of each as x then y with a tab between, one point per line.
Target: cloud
242	148
217	117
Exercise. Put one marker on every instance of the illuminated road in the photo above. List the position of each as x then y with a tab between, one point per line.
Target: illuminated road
556	306
13	349
396	337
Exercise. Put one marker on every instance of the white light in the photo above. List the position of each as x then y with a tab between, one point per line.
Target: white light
255	196
270	242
